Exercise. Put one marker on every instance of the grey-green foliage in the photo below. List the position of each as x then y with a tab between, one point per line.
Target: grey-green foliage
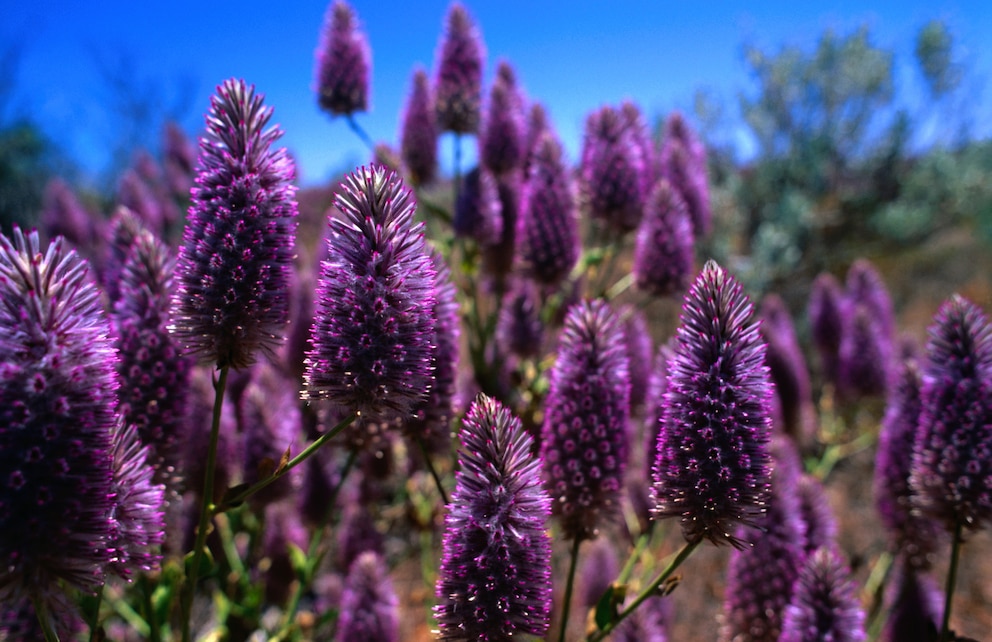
934	52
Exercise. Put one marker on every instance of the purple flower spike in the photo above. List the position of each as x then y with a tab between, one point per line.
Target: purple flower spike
599	569
633	120
138	528
683	162
612	171
712	470
270	420
234	266
863	357
519	329
663	253
825	603
58	391
502	142
914	604
760	579
548	228
498	257
369	608
154	375
584	436
821	525
864	286
914	537
537	124
179	162
952	456
373	334
63	215
418	136
479	210
136	195
787	367
677	130
826	320
458	79
343	63
495	576
640	354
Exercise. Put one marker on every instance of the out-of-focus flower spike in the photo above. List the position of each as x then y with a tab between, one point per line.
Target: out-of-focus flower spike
663	251
502	140
369	607
479	210
824	604
458	73
612	171
787	367
418	132
826	312
344	63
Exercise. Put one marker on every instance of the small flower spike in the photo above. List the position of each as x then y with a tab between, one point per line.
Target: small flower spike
374	329
585	431
713	466
369	608
58	393
826	319
952	456
418	132
458	79
234	265
824	604
343	63
663	251
502	141
612	171
495	578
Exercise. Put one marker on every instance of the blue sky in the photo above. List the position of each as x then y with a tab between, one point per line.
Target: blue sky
572	56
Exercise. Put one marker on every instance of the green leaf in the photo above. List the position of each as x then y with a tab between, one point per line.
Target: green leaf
207	565
608	606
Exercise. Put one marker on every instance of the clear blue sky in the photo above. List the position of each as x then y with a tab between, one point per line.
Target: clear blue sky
572	56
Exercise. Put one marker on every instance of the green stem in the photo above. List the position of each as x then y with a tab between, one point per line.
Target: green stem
44	619
355	127
628	568
94	621
432	469
206	503
952	574
147	590
652	589
569	585
237	498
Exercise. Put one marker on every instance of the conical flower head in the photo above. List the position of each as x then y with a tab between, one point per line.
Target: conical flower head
154	375
179	160
712	470
373	332
58	391
502	141
821	525
479	210
63	215
826	312
138	528
952	457
495	576
418	132
912	536
458	75
787	367
633	120
678	131
548	228
234	266
663	252
640	354
519	329
678	166
760	579
369	608
343	63
584	436
612	171
914	605
824	604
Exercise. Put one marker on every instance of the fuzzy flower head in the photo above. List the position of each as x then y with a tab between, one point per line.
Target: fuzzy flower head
495	576
369	608
138	528
712	470
58	391
343	63
479	210
502	142
584	436
519	329
952	461
234	265
374	330
826	319
458	77
689	178
663	252
418	132
787	366
612	170
548	228
824	604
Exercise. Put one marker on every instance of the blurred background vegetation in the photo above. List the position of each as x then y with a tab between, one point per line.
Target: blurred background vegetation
852	156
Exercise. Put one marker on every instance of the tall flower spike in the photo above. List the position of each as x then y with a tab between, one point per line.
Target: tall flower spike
138	528
154	375
633	120
640	355
234	265
663	253
373	332
584	436
824	604
826	319
914	537
952	456
548	228
58	391
612	171
519	329
343	63
479	211
495	576
914	605
787	367
418	132
502	142
458	76
713	465
683	161
369	608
